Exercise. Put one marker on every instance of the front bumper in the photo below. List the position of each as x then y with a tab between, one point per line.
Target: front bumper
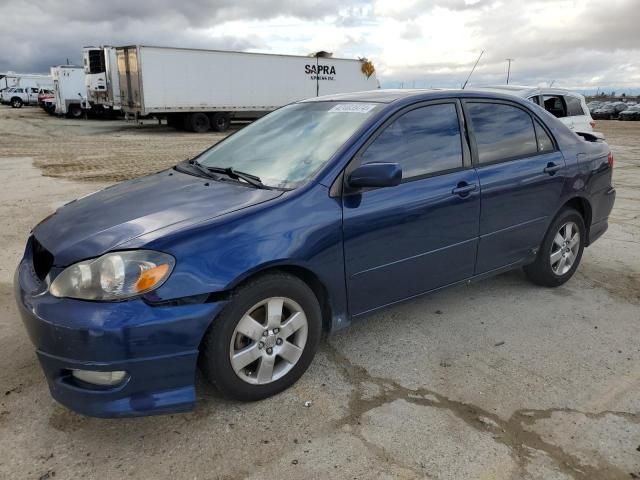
156	345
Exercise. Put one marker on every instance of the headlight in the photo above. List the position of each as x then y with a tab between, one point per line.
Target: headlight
114	276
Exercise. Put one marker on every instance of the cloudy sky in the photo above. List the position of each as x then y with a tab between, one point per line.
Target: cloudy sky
576	43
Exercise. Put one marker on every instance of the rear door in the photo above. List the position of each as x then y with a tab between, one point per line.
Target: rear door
33	95
521	175
422	234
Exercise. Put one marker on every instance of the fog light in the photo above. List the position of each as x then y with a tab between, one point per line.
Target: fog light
99	378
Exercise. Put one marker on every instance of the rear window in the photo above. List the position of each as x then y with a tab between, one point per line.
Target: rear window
501	131
545	144
574	106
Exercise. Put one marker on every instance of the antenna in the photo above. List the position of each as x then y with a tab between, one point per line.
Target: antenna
509	68
472	70
551	84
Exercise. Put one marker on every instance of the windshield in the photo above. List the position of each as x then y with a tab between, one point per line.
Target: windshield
288	146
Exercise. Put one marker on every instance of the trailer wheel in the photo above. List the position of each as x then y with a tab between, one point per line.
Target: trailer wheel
198	123
16	102
74	111
220	121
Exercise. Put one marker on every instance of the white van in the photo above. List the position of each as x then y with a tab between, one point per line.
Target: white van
569	107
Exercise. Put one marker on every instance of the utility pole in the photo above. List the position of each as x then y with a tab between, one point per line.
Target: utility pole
509	68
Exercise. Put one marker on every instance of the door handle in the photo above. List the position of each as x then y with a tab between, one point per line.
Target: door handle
463	189
551	168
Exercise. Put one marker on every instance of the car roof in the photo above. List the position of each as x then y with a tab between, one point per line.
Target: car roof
395	95
527	91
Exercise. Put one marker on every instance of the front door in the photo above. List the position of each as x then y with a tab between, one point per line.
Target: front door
422	234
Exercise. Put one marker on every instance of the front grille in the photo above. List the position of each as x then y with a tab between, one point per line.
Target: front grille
42	259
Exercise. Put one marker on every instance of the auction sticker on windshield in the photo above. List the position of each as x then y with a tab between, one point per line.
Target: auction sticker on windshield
353	108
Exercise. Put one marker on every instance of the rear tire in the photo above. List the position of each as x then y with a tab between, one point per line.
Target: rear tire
220	121
264	304
74	111
560	252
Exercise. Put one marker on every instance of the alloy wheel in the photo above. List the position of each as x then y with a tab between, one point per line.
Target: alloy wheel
268	340
565	248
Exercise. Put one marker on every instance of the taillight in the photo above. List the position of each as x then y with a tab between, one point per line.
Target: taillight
610	160
592	123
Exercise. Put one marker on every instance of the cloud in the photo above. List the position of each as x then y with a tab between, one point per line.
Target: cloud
421	42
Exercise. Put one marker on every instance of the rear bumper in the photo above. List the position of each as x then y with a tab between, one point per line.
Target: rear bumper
603	204
156	345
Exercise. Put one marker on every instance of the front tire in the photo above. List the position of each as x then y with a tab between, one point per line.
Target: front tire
199	123
561	250
264	339
16	102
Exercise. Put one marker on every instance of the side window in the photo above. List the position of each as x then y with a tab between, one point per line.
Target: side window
535	99
423	141
555	105
501	131
18	90
574	106
545	144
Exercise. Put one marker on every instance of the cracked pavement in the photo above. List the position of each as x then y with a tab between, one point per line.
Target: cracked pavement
496	380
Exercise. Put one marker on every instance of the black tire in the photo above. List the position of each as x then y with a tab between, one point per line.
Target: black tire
16	102
215	349
175	121
540	271
74	111
220	121
199	122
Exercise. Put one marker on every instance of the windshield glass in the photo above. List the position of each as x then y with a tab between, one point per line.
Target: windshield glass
288	146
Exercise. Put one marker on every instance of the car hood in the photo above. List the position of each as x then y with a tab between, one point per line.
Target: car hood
99	222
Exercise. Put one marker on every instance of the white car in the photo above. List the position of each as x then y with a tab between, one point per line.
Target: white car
19	96
569	107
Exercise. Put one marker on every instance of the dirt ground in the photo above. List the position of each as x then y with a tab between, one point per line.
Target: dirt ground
496	380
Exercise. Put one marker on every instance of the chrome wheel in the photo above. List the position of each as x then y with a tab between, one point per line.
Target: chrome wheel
565	248
268	340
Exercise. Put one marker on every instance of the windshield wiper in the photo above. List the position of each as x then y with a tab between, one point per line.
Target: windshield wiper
236	174
188	166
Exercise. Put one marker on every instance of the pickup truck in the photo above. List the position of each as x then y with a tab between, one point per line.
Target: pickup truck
19	96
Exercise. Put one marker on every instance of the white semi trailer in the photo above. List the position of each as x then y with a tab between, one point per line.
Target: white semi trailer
101	79
198	90
25	80
69	90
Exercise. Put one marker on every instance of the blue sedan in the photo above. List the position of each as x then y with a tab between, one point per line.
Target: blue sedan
319	213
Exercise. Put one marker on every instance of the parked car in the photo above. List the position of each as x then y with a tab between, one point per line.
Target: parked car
631	113
47	100
606	112
319	213
620	106
43	94
594	105
570	107
19	96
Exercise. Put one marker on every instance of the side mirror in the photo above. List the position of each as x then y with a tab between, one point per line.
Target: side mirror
375	175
